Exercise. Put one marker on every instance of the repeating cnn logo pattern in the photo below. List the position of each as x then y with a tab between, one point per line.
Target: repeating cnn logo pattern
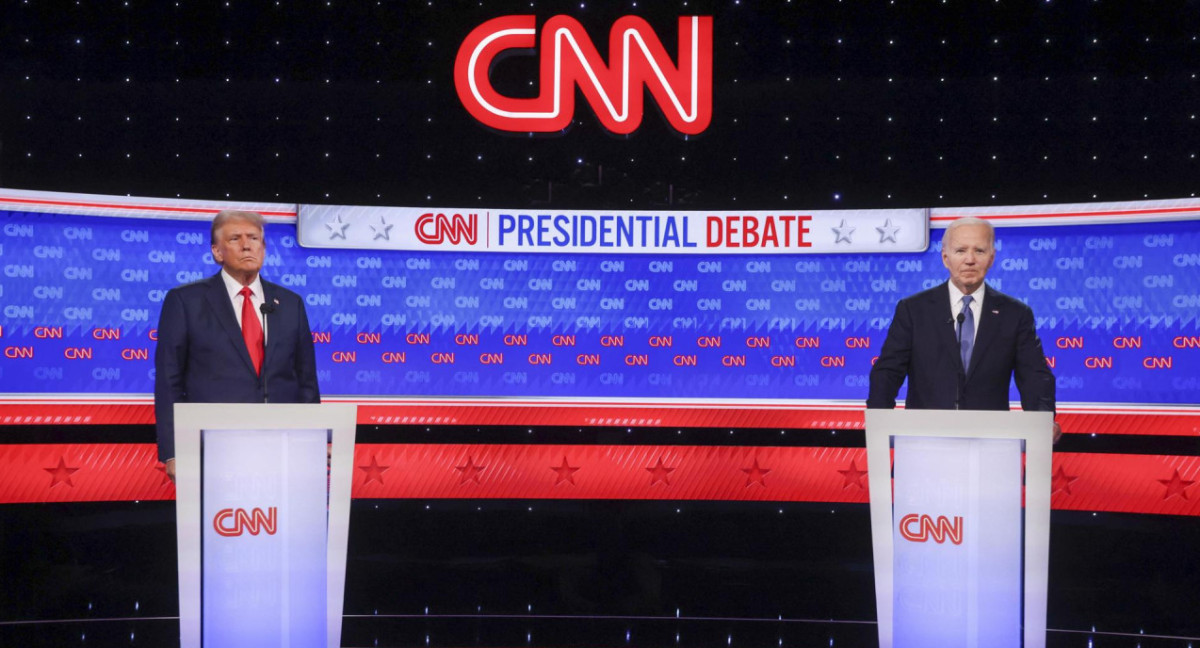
568	59
922	528
234	522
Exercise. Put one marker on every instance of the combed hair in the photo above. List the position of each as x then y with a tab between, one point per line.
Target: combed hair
970	220
227	215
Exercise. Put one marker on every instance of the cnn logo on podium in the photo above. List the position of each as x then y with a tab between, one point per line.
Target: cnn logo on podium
922	528
232	522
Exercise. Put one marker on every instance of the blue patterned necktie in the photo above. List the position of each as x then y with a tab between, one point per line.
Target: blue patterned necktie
966	332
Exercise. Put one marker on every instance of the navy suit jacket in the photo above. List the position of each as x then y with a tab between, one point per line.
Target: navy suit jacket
202	358
922	346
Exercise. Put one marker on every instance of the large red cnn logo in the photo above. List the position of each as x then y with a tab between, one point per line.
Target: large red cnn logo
568	59
922	528
439	228
234	522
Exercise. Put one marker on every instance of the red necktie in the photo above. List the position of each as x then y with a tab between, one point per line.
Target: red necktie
252	330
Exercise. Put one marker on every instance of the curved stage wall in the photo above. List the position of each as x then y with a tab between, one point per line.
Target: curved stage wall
699	339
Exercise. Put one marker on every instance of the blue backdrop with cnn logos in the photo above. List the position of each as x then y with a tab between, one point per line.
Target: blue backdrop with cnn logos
1116	304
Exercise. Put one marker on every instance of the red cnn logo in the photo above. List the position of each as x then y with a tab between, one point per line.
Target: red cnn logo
234	522
569	59
920	528
433	229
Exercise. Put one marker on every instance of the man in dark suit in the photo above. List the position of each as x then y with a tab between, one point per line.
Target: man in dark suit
961	343
231	338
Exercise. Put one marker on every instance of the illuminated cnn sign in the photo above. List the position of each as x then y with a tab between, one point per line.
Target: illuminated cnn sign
922	528
234	522
568	59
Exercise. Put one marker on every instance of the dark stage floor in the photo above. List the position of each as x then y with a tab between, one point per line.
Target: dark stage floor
585	573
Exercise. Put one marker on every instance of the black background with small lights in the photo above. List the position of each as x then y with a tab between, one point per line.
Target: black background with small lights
817	104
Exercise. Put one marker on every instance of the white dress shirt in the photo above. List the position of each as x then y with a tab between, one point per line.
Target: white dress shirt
956	303
234	288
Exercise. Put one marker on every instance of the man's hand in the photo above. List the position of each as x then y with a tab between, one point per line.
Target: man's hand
170	464
1057	432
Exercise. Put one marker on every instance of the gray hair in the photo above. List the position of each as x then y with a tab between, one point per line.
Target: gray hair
226	215
970	220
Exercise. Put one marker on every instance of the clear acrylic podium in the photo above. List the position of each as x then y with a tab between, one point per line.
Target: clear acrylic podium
959	562
263	511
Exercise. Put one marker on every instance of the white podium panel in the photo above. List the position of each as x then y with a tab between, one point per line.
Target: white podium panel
263	511
263	575
958	562
957	538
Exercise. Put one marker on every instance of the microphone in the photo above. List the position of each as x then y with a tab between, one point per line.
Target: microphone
962	378
266	308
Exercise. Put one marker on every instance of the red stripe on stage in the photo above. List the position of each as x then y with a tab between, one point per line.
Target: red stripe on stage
160	208
1114	212
1126	483
621	472
1157	421
99	413
82	472
1147	484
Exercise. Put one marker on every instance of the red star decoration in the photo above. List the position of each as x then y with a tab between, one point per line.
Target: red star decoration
565	473
374	471
659	473
60	474
470	472
756	474
1176	485
854	477
1062	481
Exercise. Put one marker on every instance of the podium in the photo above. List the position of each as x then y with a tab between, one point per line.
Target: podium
263	509
957	561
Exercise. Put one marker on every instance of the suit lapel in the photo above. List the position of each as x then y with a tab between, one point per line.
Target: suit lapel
219	301
990	312
947	338
269	298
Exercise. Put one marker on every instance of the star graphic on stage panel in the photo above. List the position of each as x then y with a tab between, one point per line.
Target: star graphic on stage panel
62	475
854	476
843	232
756	474
888	231
660	473
1061	481
374	471
566	473
470	472
337	229
382	231
1176	485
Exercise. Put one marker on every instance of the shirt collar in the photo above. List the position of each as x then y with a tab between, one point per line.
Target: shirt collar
956	295
233	286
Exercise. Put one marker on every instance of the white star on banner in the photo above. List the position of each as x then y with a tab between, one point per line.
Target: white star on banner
382	231
337	229
843	232
888	231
